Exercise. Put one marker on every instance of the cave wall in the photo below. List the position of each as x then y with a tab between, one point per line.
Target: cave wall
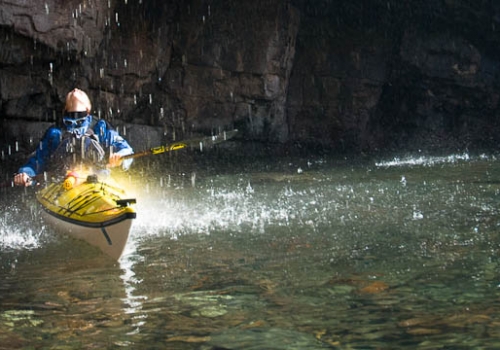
355	75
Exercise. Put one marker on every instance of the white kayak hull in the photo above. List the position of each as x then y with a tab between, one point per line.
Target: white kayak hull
110	239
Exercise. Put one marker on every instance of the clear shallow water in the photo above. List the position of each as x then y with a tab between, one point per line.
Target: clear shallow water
297	254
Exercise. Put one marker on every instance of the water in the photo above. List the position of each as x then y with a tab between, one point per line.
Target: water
295	254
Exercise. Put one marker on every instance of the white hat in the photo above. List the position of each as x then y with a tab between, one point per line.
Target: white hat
77	101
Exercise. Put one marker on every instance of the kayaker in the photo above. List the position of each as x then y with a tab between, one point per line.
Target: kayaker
98	140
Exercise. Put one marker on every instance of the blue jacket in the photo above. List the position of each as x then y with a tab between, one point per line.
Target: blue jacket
52	139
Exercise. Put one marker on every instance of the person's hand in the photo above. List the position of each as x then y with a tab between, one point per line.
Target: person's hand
115	160
22	179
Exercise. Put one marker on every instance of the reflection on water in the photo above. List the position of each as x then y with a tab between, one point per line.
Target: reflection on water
299	254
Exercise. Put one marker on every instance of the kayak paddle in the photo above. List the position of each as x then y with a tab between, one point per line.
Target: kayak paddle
192	143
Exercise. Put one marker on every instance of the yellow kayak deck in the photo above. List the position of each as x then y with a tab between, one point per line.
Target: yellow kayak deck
90	203
89	209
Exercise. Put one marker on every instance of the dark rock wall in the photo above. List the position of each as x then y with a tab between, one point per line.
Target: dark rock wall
354	75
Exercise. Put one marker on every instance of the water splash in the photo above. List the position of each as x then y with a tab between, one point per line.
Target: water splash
426	160
242	207
25	240
18	236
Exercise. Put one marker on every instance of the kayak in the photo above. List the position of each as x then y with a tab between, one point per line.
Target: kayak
98	211
87	208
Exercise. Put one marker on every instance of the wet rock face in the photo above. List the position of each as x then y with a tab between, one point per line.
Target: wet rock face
59	25
353	75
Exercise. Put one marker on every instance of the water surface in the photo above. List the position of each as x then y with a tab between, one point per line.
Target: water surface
302	253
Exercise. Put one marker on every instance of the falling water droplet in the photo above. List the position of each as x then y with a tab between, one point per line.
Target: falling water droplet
193	180
250	117
51	70
249	188
403	180
46	8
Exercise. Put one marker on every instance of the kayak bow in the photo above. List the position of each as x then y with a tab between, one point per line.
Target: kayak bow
91	210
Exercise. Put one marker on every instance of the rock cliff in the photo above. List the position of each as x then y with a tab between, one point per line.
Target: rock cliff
355	75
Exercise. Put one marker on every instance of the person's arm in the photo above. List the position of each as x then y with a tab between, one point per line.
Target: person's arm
110	138
36	164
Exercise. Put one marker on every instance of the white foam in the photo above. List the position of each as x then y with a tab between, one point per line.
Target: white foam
14	238
426	160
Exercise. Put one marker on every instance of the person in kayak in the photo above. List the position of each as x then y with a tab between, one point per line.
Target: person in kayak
77	139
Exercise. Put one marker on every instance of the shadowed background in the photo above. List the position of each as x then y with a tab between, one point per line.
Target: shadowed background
354	76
